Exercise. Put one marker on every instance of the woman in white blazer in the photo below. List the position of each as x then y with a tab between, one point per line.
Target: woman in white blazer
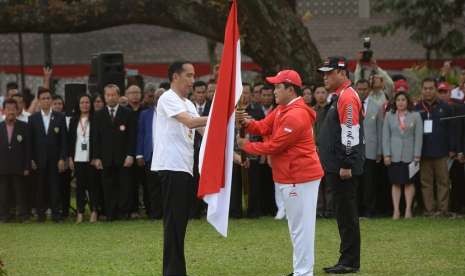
402	141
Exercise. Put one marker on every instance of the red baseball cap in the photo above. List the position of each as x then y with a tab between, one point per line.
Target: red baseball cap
443	86
400	86
288	76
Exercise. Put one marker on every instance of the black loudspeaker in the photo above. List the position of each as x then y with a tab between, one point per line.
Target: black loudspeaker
72	93
106	68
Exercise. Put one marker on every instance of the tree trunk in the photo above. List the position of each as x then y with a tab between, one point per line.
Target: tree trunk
428	58
211	48
271	33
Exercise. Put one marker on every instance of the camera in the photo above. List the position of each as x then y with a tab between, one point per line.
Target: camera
367	53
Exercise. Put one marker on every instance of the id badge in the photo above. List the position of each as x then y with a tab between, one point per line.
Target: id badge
84	146
428	126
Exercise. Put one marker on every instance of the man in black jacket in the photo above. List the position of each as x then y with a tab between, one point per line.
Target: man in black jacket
439	145
49	152
341	148
113	151
456	171
255	110
136	173
15	161
203	108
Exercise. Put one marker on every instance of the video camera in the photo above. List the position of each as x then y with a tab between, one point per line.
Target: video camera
367	53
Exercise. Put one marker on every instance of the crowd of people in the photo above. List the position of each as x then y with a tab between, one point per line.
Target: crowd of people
106	146
108	142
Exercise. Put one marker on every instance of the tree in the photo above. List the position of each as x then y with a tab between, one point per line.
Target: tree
435	25
271	33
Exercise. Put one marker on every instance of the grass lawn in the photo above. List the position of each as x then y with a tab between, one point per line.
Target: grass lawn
421	246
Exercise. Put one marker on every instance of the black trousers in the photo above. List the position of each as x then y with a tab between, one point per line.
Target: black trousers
65	184
325	203
177	188
369	186
153	202
255	195
198	205
31	183
98	182
13	185
268	203
49	192
457	193
116	192
137	180
346	211
86	190
235	204
383	192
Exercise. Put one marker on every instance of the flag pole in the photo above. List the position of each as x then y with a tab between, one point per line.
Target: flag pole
241	106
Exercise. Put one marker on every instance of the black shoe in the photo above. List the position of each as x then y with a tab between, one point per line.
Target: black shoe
340	269
291	274
194	216
329	267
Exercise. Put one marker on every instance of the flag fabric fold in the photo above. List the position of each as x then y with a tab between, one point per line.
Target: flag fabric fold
217	149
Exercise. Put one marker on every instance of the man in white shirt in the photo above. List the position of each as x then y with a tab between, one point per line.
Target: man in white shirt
173	159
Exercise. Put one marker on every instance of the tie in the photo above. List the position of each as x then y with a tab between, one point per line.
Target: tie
332	97
200	110
364	107
112	113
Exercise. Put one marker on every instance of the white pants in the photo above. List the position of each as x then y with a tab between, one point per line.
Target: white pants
278	197
300	205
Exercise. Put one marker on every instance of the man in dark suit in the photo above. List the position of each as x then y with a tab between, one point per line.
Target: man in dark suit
144	152
203	108
253	173
256	191
136	174
49	152
113	152
15	161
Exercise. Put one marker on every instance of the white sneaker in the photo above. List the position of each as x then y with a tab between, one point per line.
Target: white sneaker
281	214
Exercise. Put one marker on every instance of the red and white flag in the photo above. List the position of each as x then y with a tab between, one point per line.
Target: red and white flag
217	149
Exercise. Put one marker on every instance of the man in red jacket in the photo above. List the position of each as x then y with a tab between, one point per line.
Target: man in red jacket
294	161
